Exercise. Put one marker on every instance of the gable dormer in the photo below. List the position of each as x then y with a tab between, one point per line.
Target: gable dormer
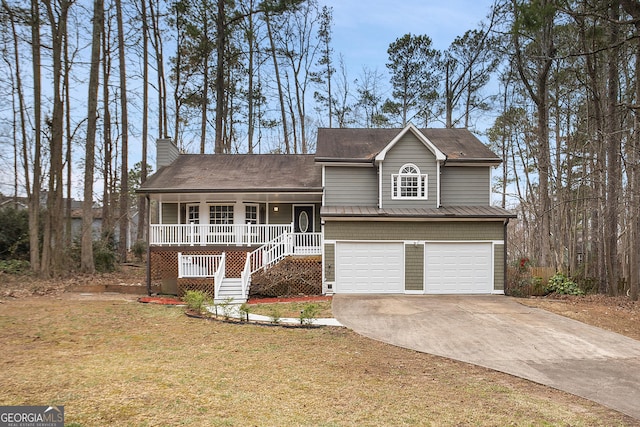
409	171
407	168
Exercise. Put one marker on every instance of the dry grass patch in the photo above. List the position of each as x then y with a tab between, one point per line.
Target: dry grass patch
291	309
118	362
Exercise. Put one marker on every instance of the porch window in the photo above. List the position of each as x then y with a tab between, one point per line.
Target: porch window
251	214
221	214
409	183
193	214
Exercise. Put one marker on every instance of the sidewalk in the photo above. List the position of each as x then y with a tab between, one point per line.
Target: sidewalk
236	314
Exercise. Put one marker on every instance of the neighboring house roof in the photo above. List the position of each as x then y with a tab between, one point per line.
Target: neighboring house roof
363	145
232	173
77	213
449	212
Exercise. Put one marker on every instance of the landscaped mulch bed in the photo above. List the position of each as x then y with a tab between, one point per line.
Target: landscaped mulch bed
161	300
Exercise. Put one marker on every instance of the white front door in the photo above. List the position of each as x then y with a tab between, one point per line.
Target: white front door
363	267
458	268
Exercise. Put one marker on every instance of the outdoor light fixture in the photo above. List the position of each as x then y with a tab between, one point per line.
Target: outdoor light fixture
276	209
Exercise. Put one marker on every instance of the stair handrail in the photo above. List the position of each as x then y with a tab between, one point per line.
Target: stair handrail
258	257
245	277
219	276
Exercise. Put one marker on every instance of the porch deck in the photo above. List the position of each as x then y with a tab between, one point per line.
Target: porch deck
201	253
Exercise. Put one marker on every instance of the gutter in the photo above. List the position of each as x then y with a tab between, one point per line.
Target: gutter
229	191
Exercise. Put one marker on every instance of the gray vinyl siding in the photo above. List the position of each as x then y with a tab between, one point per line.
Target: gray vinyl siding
351	186
410	150
413	267
166	152
411	231
465	186
498	267
329	262
169	213
285	214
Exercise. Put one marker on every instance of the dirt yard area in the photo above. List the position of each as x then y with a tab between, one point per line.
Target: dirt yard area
617	314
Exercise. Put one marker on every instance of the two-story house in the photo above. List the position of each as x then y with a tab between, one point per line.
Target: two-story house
388	210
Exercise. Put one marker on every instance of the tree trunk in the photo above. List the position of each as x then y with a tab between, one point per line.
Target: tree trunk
34	199
205	91
283	113
52	249
86	262
613	154
221	35
107	172
142	200
124	167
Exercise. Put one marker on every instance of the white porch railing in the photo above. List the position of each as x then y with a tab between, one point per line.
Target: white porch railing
219	277
214	234
200	265
268	254
285	245
245	277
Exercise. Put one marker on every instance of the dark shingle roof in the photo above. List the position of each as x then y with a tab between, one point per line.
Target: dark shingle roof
362	145
197	173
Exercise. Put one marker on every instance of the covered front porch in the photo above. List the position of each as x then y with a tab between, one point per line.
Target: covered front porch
217	244
253	208
231	220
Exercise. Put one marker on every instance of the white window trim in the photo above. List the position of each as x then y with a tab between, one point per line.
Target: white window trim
423	184
257	207
213	205
187	208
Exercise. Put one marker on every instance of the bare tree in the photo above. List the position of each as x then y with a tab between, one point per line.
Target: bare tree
86	261
124	164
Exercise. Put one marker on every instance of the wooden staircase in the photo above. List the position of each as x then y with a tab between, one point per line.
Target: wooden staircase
235	290
230	291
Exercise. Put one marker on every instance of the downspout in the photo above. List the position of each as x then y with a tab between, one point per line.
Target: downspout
380	178
504	260
148	246
439	182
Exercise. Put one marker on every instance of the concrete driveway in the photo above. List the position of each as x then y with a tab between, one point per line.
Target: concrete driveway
499	333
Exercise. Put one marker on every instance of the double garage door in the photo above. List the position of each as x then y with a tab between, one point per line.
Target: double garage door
449	268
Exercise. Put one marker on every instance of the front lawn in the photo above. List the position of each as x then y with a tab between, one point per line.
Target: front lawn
119	362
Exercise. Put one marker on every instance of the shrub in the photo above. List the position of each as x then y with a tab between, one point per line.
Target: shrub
227	307
14	233
104	256
309	313
561	284
197	300
275	312
244	309
14	266
139	248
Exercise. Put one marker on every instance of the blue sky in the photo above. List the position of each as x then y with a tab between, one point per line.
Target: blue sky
363	30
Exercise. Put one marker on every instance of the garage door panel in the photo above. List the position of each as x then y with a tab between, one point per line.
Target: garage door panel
369	267
458	268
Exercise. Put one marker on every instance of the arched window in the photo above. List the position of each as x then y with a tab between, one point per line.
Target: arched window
409	183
